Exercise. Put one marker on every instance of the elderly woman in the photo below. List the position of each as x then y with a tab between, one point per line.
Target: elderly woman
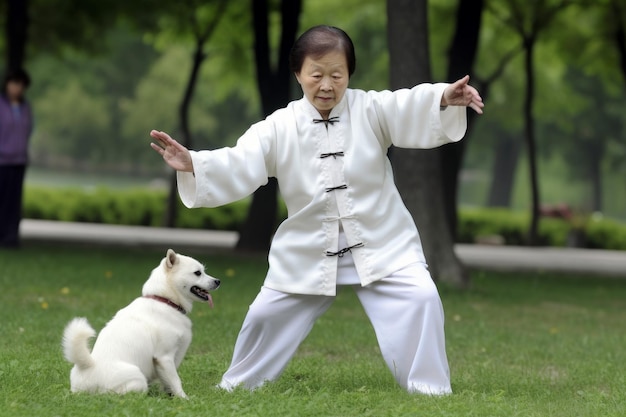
346	221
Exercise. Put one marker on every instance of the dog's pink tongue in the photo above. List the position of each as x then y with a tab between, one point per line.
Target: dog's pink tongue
210	301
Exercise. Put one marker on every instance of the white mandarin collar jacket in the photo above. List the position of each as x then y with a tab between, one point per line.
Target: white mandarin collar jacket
332	176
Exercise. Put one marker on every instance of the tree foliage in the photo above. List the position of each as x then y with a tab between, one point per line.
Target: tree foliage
104	73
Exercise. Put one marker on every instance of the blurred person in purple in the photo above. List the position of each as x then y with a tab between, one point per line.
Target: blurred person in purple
16	124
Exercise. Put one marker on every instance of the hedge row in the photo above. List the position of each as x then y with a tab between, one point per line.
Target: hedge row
146	207
139	207
595	232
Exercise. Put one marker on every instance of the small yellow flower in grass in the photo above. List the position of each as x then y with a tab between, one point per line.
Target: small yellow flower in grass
108	274
554	330
43	303
230	272
65	290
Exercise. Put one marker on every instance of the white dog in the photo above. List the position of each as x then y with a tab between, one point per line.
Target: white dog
145	341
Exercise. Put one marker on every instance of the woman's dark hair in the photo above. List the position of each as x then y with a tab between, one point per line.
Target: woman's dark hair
18	75
317	42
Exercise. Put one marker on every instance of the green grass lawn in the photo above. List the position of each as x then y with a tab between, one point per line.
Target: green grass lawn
518	344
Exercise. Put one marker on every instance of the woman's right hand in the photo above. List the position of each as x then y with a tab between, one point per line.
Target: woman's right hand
173	153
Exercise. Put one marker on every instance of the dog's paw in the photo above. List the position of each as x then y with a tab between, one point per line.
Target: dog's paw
182	395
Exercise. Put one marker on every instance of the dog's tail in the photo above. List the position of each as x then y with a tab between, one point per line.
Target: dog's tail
75	342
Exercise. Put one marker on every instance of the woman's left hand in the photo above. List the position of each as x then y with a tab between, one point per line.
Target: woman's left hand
461	93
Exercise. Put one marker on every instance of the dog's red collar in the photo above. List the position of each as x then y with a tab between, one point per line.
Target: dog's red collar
166	301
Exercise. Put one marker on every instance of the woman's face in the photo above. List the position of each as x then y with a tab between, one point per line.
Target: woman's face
15	90
324	80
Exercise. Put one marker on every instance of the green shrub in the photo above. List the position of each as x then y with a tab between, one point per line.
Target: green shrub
146	207
553	232
513	226
128	207
228	217
475	223
606	234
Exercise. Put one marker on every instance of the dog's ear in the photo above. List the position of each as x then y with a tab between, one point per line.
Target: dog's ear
170	258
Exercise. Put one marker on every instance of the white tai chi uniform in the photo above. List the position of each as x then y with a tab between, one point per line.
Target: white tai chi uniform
346	225
404	309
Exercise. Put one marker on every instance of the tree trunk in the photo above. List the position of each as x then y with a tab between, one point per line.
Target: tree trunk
418	172
185	129
541	14
529	136
503	172
595	155
256	233
619	35
596	185
461	56
201	38
16	33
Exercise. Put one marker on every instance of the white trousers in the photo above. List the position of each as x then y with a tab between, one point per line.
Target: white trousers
404	309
